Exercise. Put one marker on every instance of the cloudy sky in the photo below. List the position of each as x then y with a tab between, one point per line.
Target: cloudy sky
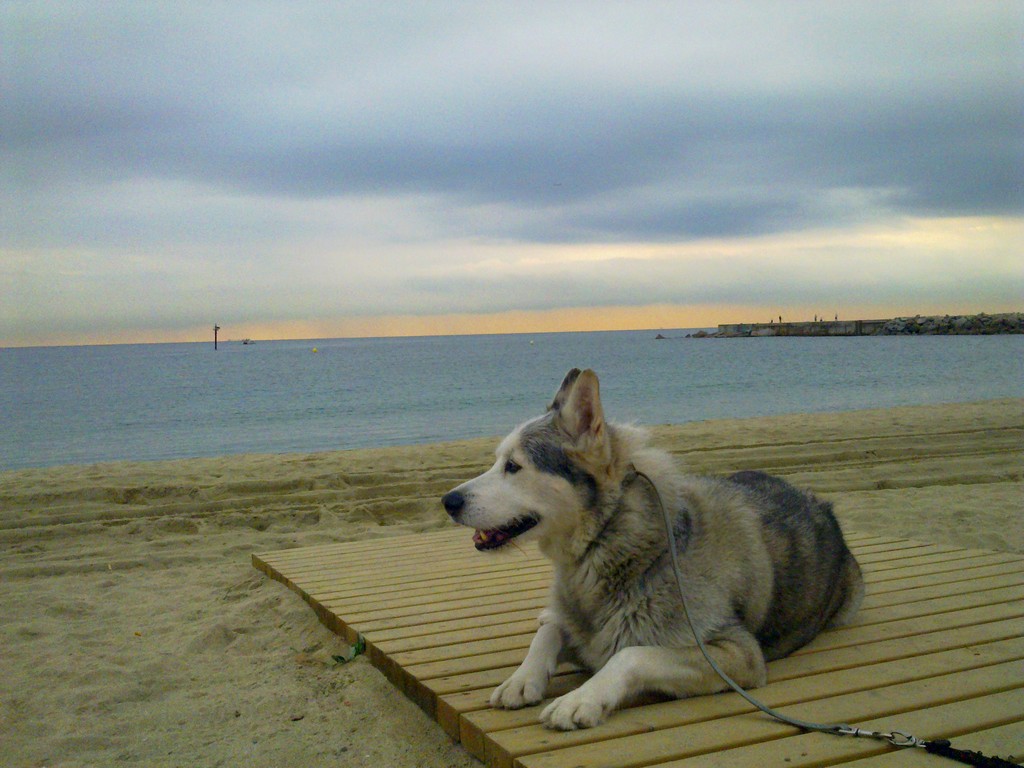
292	169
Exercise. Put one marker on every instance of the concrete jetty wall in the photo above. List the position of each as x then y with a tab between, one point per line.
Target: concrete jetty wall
818	328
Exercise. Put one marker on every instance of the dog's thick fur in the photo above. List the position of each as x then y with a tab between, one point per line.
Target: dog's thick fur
764	564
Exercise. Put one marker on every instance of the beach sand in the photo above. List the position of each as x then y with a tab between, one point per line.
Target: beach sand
136	632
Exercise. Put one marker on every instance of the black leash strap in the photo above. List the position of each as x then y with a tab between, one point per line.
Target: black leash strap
943	748
940	747
896	738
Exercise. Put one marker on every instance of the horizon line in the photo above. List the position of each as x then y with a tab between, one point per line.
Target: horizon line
658	317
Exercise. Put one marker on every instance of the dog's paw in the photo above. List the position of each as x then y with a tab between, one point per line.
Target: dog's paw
519	691
578	709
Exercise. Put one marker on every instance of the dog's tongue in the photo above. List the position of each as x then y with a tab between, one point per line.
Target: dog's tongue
488	539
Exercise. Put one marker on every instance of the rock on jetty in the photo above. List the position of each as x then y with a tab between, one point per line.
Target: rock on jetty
977	325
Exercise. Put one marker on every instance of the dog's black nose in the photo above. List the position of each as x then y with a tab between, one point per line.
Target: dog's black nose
453	501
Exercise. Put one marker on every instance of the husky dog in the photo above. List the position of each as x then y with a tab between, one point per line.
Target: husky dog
764	565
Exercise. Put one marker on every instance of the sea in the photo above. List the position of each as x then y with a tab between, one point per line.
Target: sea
88	404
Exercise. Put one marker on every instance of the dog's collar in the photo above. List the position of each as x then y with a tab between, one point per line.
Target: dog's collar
630	476
628	479
683	521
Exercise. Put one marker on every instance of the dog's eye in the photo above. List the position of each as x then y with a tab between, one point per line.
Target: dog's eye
511	467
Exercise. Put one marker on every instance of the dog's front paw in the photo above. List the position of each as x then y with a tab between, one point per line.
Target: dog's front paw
519	691
578	709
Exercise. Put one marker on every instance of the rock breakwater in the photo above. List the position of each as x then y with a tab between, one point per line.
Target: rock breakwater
981	324
974	325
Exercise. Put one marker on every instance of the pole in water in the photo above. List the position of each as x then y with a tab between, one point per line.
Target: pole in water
215	329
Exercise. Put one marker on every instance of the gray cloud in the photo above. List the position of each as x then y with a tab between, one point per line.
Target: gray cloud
199	131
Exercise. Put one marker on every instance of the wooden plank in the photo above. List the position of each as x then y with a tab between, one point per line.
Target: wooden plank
956	567
1000	567
340	589
1005	741
858	635
473	704
456	591
469	649
366	570
882	548
905	553
436	631
451	708
397	569
914	558
456	608
470	641
957	601
875	705
446	625
373	545
928	591
397	548
485	655
524	622
814	749
844	657
510	744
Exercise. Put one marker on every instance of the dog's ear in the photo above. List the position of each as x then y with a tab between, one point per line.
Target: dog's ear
578	404
563	391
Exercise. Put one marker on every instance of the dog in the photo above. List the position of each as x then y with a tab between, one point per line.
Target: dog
764	564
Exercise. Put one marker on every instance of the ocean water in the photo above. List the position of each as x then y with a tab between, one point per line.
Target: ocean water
70	405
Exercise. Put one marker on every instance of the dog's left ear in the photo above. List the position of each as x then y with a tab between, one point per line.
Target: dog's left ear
578	404
563	391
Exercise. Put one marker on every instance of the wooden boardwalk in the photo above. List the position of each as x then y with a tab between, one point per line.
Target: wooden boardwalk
937	650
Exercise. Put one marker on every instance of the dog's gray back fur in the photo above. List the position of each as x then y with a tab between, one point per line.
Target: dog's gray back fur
813	572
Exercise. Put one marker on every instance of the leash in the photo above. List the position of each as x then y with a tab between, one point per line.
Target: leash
896	738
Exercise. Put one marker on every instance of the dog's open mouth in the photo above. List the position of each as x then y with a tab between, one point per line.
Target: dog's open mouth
498	537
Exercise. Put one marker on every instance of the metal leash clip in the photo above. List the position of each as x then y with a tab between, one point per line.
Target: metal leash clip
901	739
896	738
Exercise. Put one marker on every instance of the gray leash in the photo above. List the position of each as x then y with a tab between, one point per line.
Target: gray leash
896	738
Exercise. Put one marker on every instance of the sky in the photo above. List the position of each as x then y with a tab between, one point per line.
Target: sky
309	170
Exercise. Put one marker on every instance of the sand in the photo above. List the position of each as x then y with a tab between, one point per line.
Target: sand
136	632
